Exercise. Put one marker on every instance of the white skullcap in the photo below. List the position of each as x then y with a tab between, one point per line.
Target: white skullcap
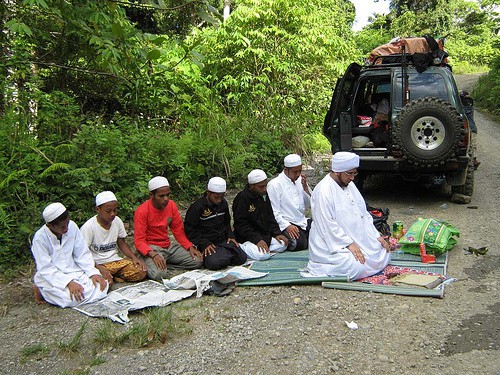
216	185
104	197
256	176
343	161
292	160
157	182
53	211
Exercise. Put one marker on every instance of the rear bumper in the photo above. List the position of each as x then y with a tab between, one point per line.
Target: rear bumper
391	164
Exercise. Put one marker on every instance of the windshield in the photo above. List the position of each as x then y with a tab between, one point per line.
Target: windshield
421	85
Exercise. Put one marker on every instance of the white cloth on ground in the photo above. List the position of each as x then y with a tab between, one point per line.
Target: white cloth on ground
103	242
59	262
253	252
289	201
339	219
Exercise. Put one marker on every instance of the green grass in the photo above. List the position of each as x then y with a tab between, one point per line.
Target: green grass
36	351
155	327
464	67
98	360
74	344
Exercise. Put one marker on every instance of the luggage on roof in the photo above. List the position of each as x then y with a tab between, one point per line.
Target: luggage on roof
418	50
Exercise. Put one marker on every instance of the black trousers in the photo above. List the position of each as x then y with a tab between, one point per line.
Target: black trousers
226	254
300	243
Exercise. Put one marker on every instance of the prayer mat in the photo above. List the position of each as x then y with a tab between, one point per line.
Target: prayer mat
284	269
399	264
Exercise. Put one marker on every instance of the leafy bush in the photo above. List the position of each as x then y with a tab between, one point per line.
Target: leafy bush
121	156
485	91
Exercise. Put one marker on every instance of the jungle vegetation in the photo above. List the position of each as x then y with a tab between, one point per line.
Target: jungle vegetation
104	95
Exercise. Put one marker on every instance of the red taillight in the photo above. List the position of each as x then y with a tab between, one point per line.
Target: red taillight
466	138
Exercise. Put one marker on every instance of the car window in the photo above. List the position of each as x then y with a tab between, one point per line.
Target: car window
422	85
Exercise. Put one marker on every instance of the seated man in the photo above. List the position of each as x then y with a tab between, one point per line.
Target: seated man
343	240
65	273
208	226
152	219
381	110
255	227
105	234
380	133
290	196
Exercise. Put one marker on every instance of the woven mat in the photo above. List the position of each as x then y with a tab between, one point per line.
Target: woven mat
284	269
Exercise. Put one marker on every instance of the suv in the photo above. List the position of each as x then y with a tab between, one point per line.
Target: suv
426	132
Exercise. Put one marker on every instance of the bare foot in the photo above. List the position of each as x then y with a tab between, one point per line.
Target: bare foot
38	296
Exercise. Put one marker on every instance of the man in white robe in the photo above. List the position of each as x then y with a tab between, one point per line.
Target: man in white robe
343	240
290	196
65	275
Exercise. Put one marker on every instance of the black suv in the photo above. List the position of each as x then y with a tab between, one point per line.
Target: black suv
425	130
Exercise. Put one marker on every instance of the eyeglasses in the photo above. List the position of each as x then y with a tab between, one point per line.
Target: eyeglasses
351	174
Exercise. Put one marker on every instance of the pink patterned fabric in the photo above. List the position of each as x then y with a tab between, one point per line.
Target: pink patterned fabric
389	272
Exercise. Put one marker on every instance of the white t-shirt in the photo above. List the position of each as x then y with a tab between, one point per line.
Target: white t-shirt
103	242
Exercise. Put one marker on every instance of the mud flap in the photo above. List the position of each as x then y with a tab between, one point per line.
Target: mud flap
456	178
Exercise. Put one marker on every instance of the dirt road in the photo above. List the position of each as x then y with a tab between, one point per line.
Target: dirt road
301	329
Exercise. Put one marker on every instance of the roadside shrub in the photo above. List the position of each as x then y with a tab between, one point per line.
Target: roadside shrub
23	160
486	89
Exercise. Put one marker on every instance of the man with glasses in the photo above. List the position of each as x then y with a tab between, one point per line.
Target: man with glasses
208	226
152	219
343	240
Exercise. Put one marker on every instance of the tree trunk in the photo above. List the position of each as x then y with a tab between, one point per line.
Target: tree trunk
227	9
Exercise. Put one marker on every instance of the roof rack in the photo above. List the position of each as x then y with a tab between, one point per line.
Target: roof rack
381	64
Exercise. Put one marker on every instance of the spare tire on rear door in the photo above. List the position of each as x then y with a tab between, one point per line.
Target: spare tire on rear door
427	131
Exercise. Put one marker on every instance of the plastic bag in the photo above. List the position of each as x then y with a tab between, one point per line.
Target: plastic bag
437	235
380	217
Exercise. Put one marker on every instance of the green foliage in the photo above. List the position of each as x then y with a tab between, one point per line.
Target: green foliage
373	35
58	116
424	17
485	92
20	188
266	53
105	95
469	27
471	50
316	142
171	17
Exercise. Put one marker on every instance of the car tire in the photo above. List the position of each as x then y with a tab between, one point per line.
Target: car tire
468	187
427	131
